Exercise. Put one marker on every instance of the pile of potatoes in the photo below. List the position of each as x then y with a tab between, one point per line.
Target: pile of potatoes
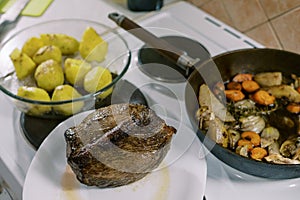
59	64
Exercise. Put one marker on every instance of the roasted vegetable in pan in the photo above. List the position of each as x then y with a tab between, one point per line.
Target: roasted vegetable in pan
266	112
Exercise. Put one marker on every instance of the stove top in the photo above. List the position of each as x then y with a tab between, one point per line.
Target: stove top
178	19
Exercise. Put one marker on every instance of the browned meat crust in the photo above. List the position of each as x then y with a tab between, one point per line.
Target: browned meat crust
117	145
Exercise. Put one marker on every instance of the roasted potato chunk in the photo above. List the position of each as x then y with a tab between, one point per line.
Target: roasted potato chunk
67	44
285	91
23	64
34	93
75	70
46	53
32	45
97	79
268	79
49	75
92	47
66	92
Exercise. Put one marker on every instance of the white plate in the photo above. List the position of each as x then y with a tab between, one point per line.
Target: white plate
235	185
182	174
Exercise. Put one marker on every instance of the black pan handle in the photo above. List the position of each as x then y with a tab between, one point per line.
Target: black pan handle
163	47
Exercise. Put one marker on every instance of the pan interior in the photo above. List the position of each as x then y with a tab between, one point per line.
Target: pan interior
229	64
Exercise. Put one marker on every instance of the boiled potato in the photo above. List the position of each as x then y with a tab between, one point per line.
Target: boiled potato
23	64
66	92
75	70
97	79
92	47
67	44
49	74
47	52
34	93
32	45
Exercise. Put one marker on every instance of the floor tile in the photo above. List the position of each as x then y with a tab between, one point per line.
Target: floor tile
198	2
287	27
274	8
265	35
245	14
217	9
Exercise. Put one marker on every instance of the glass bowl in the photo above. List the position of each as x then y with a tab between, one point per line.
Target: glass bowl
117	61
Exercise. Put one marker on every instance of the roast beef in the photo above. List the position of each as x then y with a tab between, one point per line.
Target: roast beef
117	145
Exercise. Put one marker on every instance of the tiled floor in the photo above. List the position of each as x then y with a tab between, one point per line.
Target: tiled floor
273	23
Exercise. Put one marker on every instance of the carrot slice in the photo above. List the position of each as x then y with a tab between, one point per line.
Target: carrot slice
250	86
293	108
264	98
234	86
242	77
234	95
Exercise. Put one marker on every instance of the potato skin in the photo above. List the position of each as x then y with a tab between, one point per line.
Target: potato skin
67	44
46	53
41	58
32	45
97	79
75	70
48	75
23	64
92	47
66	92
34	93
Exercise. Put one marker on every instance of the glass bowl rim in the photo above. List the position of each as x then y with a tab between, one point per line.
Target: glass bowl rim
83	97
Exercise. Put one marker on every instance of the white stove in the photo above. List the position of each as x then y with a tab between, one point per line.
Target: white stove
179	18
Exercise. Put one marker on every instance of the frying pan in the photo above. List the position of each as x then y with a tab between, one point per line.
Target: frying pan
229	64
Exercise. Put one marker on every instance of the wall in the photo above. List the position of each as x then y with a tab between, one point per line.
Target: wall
273	23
